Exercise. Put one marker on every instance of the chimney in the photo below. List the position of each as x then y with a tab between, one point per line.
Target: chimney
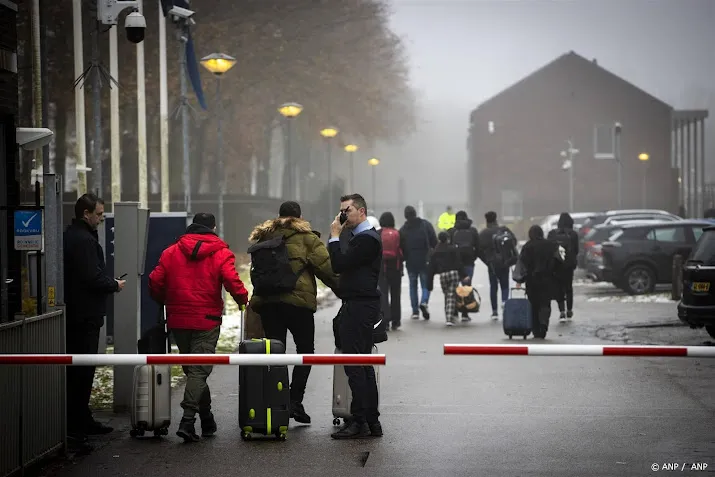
594	61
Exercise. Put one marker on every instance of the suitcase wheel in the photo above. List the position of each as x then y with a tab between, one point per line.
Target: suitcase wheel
336	421
509	336
525	336
136	432
245	436
281	436
161	432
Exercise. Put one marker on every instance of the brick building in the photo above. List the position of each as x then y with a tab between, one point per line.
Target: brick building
516	137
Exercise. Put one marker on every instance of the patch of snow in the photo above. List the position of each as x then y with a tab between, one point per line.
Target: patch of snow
580	282
652	298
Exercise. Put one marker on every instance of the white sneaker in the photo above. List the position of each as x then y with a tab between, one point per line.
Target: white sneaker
449	323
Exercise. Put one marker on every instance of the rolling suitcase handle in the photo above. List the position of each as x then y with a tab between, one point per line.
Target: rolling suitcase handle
519	288
242	333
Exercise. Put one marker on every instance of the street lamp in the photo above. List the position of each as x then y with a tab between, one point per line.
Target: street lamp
568	166
374	161
644	157
218	64
350	149
329	133
288	111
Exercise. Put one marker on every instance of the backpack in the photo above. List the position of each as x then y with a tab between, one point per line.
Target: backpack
271	273
562	238
390	244
462	239
505	253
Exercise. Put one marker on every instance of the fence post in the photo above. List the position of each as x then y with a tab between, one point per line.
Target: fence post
676	291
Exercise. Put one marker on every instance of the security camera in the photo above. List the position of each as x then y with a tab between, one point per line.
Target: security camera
617	127
181	13
135	25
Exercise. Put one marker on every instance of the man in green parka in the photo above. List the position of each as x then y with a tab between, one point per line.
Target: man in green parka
293	311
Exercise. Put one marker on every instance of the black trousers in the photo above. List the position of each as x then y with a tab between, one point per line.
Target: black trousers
81	338
277	320
540	311
390	287
356	329
565	291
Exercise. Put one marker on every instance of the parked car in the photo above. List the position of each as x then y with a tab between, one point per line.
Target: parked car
640	256
590	249
697	305
620	215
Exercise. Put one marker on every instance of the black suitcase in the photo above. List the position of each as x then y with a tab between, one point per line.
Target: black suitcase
263	393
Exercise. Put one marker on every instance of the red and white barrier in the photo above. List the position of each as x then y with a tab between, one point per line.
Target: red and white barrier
195	359
580	350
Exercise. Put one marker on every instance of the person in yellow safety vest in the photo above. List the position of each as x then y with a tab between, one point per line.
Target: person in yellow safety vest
446	220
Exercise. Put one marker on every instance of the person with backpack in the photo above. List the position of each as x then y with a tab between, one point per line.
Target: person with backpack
567	238
417	240
497	249
285	260
392	270
188	281
447	263
465	239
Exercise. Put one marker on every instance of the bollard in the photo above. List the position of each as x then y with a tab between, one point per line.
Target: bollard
676	290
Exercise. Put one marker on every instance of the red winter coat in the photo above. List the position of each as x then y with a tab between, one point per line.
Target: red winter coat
189	276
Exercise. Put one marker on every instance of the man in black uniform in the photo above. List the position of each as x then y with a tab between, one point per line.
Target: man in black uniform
359	269
87	287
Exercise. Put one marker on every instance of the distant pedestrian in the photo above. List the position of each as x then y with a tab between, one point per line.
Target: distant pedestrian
446	263
446	219
87	287
567	238
294	310
188	281
497	249
392	270
541	260
418	239
465	239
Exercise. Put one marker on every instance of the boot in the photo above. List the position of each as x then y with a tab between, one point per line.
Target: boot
352	430
208	425
187	430
297	412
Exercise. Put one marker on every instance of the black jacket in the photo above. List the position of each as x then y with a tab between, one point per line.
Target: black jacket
470	253
358	265
444	259
86	283
486	242
571	258
417	239
541	262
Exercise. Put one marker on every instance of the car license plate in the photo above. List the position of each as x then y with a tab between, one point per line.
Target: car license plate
701	286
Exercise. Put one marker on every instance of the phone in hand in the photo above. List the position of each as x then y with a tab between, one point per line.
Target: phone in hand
343	218
122	277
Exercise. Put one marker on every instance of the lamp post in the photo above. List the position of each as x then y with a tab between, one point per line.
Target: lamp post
288	111
568	166
351	149
644	157
374	161
218	64
617	128
329	133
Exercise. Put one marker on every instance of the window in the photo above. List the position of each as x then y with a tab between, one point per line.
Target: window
698	231
669	234
704	250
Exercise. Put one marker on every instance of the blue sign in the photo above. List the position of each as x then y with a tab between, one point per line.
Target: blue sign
28	230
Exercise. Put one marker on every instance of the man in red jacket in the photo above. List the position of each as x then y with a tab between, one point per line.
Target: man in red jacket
188	281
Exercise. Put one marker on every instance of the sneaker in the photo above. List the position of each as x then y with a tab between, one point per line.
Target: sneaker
450	323
425	311
415	316
375	429
569	315
562	317
352	430
495	315
208	425
466	318
187	431
396	326
297	412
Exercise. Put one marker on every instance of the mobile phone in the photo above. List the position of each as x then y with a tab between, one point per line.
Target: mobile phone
343	218
122	277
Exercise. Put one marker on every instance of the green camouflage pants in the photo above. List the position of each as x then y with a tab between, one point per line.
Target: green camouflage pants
197	397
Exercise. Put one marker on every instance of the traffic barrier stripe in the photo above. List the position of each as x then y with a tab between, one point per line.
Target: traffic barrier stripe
194	359
580	350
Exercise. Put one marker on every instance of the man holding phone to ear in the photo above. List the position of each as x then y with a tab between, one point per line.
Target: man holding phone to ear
359	269
87	287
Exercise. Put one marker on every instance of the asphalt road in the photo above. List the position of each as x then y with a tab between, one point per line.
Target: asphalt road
464	416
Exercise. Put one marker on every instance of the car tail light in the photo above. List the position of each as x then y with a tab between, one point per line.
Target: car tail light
589	244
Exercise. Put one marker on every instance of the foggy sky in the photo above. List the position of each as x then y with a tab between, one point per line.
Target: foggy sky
462	52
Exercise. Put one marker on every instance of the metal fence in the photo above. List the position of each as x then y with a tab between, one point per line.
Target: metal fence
32	413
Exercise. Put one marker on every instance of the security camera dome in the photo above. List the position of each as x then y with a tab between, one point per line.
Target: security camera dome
135	25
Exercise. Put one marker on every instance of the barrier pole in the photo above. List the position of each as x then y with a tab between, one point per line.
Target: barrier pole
194	359
580	350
